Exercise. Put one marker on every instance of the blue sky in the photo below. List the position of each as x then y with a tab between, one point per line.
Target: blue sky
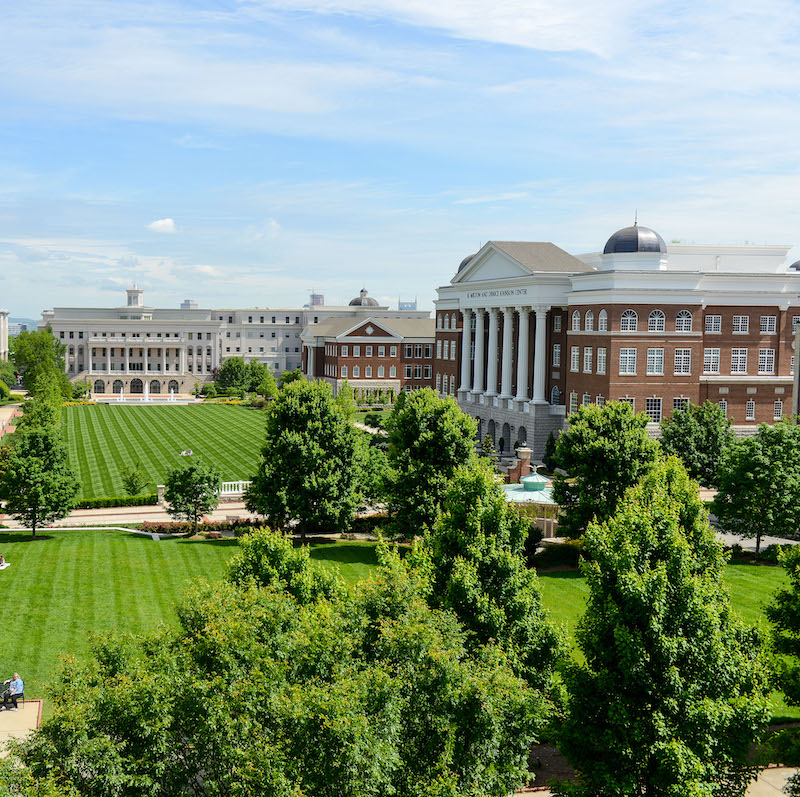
242	153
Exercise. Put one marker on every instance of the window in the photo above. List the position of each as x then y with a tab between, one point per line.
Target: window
356	351
439	349
601	361
575	358
380	372
652	408
409	351
750	410
587	399
392	371
795	322
630	401
249	319
368	351
556	323
555	395
556	355
680	404
777	412
447	350
714	323
791	366
573	402
627	361
766	361
368	371
356	371
417	372
655	361
768	324
393	351
683	321
453	350
427	372
738	361
600	401
711	361
344	351
417	350
723	403
683	361
428	351
657	321
446	321
439	382
452	385
602	321
587	360
381	351
576	321
473	322
344	370
629	322
408	372
588	323
741	324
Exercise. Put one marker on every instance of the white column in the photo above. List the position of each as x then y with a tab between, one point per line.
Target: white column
90	364
466	346
506	379
522	354
108	360
183	360
540	355
478	384
127	360
310	362
491	353
146	365
163	360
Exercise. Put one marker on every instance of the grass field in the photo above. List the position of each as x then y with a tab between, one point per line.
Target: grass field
103	439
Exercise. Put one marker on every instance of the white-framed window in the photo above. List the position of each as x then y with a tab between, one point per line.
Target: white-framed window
741	324
573	402
575	358
447	350
769	323
557	322
344	351
555	395
418	351
602	321
711	361
344	371
453	350
777	412
738	361
683	321
629	321
368	371
766	361
601	360
409	351
392	371
714	323
446	321
795	322
628	400
427	371
587	399
652	408
588	321
600	401
791	366
723	403
356	351
750	410
393	351
356	372
428	350
368	351
556	355
683	361
438	349
627	361
417	372
408	371
680	403
655	362
587	359
381	351
473	321
576	321
381	371
656	321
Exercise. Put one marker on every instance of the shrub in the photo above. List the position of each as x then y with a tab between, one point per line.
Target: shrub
770	553
238	526
565	554
118	500
5	393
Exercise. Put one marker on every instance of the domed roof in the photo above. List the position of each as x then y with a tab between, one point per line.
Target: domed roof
465	262
634	239
362	300
795	265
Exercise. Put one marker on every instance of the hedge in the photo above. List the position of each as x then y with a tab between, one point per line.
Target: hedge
238	526
119	500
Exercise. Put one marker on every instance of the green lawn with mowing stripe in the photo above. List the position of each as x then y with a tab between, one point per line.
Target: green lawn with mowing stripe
103	439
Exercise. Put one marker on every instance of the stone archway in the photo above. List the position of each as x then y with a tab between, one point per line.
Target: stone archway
137	386
173	385
490	430
117	386
522	435
155	386
506	438
99	386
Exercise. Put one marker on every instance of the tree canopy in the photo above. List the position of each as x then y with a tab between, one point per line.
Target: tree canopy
38	353
603	451
233	374
191	490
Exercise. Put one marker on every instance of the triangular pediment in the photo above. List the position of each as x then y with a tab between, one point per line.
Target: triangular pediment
368	329
491	263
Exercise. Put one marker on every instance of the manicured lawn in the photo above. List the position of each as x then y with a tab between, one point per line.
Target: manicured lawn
103	439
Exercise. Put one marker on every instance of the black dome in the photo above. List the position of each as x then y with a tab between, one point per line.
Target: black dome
465	262
362	300
795	265
635	239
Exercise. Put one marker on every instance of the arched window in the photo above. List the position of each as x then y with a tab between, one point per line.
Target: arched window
368	371
602	321
446	321
155	386
117	386
344	372
683	321
629	322
380	372
137	386
555	395
99	386
356	372
522	435
588	323
576	321
173	386
657	321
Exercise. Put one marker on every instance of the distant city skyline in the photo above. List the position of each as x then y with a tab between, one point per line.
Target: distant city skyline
246	152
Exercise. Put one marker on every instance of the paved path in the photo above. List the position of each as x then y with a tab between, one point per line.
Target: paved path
18	724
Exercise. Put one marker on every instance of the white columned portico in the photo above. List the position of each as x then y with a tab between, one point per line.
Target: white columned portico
310	361
466	348
522	353
506	379
478	383
491	359
540	355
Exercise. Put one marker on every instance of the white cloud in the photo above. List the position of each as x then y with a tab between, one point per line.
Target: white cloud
162	225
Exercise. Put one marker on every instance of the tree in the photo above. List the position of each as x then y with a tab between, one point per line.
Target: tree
604	451
134	478
757	484
8	373
429	438
38	352
232	374
309	465
673	689
81	389
191	490
267	387
475	555
5	393
375	473
37	413
699	437
287	377
256	371
345	400
549	457
38	486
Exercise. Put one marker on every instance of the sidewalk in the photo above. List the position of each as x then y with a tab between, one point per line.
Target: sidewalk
18	724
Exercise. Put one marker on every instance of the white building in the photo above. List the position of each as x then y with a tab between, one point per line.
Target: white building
3	334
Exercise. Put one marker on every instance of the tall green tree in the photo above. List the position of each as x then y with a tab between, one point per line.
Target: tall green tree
287	377
674	687
309	468
604	451
5	393
429	438
191	490
38	485
256	371
267	387
757	482
345	399
232	374
8	373
134	478
38	352
699	437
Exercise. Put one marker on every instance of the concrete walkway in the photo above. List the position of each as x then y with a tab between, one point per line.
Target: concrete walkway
18	724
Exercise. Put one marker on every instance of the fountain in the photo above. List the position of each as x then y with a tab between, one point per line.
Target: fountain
146	396
172	394
121	395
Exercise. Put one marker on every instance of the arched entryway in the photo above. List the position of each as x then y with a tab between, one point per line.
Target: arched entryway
173	385
555	395
155	386
137	386
490	430
99	386
506	438
117	386
522	435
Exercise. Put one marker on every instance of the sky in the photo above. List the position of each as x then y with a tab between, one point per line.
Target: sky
245	153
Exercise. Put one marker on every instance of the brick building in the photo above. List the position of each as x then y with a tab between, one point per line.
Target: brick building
525	332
